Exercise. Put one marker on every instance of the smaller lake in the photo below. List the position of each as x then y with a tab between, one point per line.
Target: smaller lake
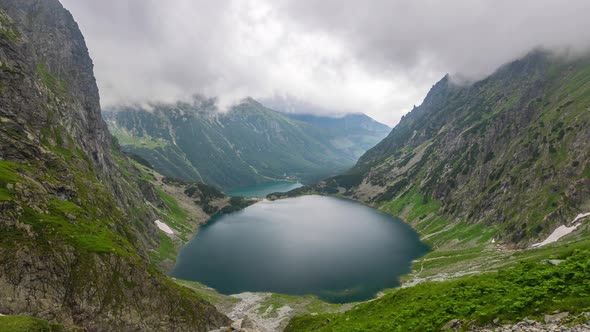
263	189
334	248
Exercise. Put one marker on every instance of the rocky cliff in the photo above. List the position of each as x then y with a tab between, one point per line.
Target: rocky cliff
76	218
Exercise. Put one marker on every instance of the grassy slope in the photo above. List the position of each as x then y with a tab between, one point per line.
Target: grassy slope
28	324
522	287
479	156
528	289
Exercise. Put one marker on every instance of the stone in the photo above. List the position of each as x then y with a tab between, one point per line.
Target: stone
248	323
556	317
237	324
555	261
452	324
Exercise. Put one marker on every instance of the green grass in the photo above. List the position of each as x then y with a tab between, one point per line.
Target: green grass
86	227
10	172
175	215
128	139
412	205
27	324
206	293
451	253
527	290
310	304
85	234
165	251
8	29
52	82
5	195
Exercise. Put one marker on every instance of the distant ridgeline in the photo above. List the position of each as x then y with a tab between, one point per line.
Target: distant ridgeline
506	157
247	145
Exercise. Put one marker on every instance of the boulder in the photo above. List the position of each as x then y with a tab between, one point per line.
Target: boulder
556	317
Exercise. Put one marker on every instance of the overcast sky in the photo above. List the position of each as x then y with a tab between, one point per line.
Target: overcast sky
379	57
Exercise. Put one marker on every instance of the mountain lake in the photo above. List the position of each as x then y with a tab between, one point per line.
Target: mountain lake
337	249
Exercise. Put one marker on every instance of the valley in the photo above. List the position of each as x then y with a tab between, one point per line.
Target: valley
470	214
264	189
249	144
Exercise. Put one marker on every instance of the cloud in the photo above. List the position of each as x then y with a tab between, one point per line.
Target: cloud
379	57
470	37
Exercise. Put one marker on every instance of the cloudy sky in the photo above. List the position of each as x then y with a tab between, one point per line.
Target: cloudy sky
379	57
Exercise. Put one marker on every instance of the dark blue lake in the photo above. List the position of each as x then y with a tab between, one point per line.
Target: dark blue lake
334	248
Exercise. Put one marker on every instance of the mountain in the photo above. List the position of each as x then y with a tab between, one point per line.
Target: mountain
481	171
354	133
248	144
77	216
506	157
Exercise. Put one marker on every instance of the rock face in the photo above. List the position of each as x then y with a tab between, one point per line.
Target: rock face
506	157
248	144
76	219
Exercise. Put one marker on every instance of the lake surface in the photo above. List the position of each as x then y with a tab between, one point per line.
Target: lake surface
263	189
334	248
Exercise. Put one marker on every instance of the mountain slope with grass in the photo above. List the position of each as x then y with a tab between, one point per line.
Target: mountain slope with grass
529	290
504	158
77	217
354	133
483	171
249	144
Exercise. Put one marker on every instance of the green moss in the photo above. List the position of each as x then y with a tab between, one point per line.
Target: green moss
27	324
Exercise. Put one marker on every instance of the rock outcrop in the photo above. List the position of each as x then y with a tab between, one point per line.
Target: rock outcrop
76	218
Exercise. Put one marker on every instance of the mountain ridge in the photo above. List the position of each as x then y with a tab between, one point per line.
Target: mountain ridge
478	160
248	144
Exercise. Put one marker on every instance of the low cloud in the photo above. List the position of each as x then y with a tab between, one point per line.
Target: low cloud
379	57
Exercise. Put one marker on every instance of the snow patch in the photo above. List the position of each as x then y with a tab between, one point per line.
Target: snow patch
163	227
581	216
557	234
562	231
